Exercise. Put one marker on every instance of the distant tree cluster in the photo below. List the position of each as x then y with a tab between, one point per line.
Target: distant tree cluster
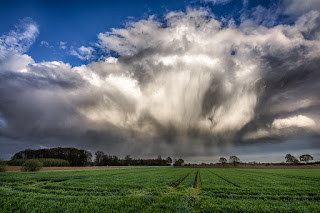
306	158
101	159
303	158
291	159
232	160
76	157
179	162
223	160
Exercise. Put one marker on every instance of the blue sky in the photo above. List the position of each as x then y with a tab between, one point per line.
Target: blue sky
195	79
68	25
75	22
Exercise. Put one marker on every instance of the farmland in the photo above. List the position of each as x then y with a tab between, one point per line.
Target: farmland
158	189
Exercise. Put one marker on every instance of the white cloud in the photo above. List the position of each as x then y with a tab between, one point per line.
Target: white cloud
83	53
16	63
15	43
281	127
294	121
111	60
18	41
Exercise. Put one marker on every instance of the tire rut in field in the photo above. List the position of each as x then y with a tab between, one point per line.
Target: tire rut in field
177	183
228	181
197	183
195	199
173	188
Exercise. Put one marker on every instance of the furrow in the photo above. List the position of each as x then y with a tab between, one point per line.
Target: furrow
228	181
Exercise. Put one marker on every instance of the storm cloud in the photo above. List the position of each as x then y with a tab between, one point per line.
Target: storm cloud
188	84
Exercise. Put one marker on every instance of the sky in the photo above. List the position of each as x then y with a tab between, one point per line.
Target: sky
196	80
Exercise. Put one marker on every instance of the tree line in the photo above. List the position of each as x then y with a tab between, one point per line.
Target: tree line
80	157
289	159
75	157
102	159
303	158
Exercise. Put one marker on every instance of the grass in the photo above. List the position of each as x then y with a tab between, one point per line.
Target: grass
162	189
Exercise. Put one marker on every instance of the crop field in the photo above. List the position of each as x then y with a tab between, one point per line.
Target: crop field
162	189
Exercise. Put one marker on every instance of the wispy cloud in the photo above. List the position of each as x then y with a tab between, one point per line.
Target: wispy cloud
216	2
20	39
44	43
296	8
83	53
62	45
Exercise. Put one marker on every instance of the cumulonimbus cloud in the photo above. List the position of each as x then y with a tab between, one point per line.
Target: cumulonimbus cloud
190	84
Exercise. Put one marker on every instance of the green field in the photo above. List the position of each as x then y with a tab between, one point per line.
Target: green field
159	189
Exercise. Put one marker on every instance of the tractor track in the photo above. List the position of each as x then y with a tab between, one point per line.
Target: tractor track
228	181
173	188
195	198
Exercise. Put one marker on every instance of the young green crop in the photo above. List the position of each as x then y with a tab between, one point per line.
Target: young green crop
162	189
112	190
248	190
